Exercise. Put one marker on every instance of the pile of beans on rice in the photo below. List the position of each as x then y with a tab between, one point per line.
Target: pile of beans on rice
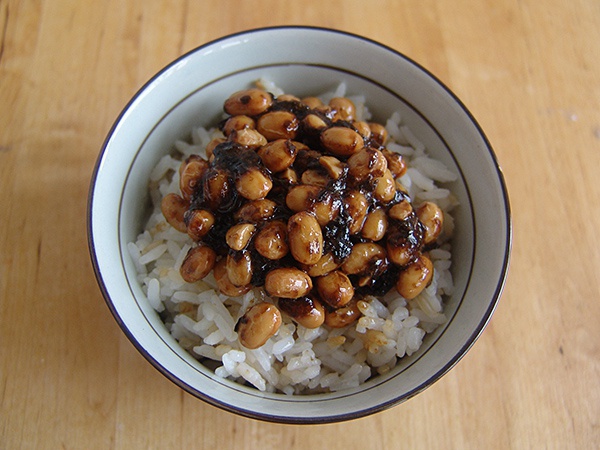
298	247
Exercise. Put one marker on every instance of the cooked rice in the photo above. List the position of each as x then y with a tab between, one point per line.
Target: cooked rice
296	360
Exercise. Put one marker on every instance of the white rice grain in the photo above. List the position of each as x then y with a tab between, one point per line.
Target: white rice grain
333	364
432	168
201	138
153	254
384	356
439	254
181	256
185	322
411	138
414	339
224	326
231	359
207	351
185	296
309	334
260	356
135	254
329	380
189	149
203	327
404	150
269	86
419	179
154	295
216	337
283	345
435	194
222	372
161	169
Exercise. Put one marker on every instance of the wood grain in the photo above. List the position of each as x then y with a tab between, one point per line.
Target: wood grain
529	70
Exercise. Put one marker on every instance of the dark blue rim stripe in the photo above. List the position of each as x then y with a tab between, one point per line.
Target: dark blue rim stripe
341	417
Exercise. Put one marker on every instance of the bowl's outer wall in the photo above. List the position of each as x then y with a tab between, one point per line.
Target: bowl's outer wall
190	92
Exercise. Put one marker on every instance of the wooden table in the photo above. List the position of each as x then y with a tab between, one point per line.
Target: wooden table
529	70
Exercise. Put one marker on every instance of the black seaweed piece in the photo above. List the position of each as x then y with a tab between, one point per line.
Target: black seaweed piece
215	238
336	238
306	159
299	109
235	158
261	266
381	283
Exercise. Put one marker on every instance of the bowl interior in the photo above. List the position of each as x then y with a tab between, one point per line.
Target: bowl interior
191	91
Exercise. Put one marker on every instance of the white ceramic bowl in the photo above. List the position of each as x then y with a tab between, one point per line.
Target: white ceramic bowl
303	61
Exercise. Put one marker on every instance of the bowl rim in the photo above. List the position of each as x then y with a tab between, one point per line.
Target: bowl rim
493	302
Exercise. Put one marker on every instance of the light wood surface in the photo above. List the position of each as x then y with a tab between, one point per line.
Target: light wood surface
529	70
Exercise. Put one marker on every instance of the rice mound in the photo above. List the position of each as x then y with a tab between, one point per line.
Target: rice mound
296	360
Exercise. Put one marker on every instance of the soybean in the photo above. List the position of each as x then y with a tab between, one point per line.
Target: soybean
362	128
323	266
396	163
212	145
301	197
305	238
400	253
335	289
362	257
173	208
224	284
199	223
316	177
250	102
307	311
216	184
278	125
236	123
248	138
314	122
312	102
366	164
190	175
326	208
342	141
334	167
288	98
401	246
198	263
344	108
401	210
278	155
357	207
342	317
238	236
258	324
384	187
378	133
415	277
256	211
271	240
239	268
375	226
289	176
287	282
432	218
253	184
